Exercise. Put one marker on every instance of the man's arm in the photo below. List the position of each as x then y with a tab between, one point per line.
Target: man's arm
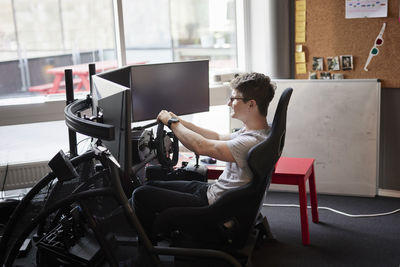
202	131
196	142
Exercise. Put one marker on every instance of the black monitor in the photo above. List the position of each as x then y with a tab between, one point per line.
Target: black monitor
113	102
180	87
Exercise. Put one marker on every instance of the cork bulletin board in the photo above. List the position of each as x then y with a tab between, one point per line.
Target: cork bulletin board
330	34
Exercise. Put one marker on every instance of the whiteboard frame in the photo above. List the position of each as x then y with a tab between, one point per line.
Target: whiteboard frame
347	160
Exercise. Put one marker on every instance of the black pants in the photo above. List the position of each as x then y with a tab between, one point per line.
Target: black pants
157	196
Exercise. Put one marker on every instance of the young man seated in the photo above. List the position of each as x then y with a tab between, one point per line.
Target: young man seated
249	101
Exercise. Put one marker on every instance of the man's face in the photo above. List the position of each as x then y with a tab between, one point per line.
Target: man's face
237	104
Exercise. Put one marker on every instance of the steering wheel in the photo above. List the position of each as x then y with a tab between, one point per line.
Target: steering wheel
166	144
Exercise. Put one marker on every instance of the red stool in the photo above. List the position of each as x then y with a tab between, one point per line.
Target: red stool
296	171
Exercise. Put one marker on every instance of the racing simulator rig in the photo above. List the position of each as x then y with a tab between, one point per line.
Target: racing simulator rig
80	215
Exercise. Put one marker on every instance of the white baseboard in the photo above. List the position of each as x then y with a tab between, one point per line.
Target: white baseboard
388	193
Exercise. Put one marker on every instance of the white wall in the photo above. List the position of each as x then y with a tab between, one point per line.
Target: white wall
270	48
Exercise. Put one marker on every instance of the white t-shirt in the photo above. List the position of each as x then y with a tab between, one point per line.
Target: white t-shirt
236	173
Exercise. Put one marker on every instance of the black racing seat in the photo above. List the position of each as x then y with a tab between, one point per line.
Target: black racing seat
229	223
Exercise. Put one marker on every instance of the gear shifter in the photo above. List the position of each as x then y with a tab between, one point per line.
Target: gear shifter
201	169
197	161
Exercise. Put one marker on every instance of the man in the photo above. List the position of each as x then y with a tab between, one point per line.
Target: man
251	95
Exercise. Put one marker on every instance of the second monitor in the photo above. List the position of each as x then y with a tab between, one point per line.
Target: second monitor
180	87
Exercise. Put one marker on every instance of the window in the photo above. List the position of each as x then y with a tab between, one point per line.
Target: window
37	36
178	30
205	29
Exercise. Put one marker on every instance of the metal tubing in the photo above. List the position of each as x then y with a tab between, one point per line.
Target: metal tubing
92	71
127	208
69	85
69	90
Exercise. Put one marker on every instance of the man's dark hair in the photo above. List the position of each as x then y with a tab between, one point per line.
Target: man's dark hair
255	86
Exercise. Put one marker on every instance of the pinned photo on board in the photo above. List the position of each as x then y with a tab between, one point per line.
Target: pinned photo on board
337	76
333	63
312	75
324	75
318	63
346	62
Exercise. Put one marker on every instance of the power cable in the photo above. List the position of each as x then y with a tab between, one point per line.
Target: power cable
85	139
336	211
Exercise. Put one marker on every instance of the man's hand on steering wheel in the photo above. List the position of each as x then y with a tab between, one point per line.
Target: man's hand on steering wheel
166	143
164	116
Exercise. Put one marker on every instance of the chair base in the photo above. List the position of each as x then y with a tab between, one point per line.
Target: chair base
265	234
242	255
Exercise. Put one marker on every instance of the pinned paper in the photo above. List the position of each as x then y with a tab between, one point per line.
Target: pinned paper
299	48
300	15
366	9
301	68
300	5
300	26
300	37
300	57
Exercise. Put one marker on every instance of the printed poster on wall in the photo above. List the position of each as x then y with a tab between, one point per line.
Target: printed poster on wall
366	9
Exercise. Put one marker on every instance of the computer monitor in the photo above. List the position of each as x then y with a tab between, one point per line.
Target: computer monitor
113	102
180	87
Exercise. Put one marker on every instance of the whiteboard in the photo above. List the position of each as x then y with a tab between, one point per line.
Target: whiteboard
337	123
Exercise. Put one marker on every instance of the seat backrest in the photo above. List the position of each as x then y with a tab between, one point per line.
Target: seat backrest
239	206
263	157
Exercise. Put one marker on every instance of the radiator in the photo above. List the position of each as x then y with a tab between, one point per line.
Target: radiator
22	175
